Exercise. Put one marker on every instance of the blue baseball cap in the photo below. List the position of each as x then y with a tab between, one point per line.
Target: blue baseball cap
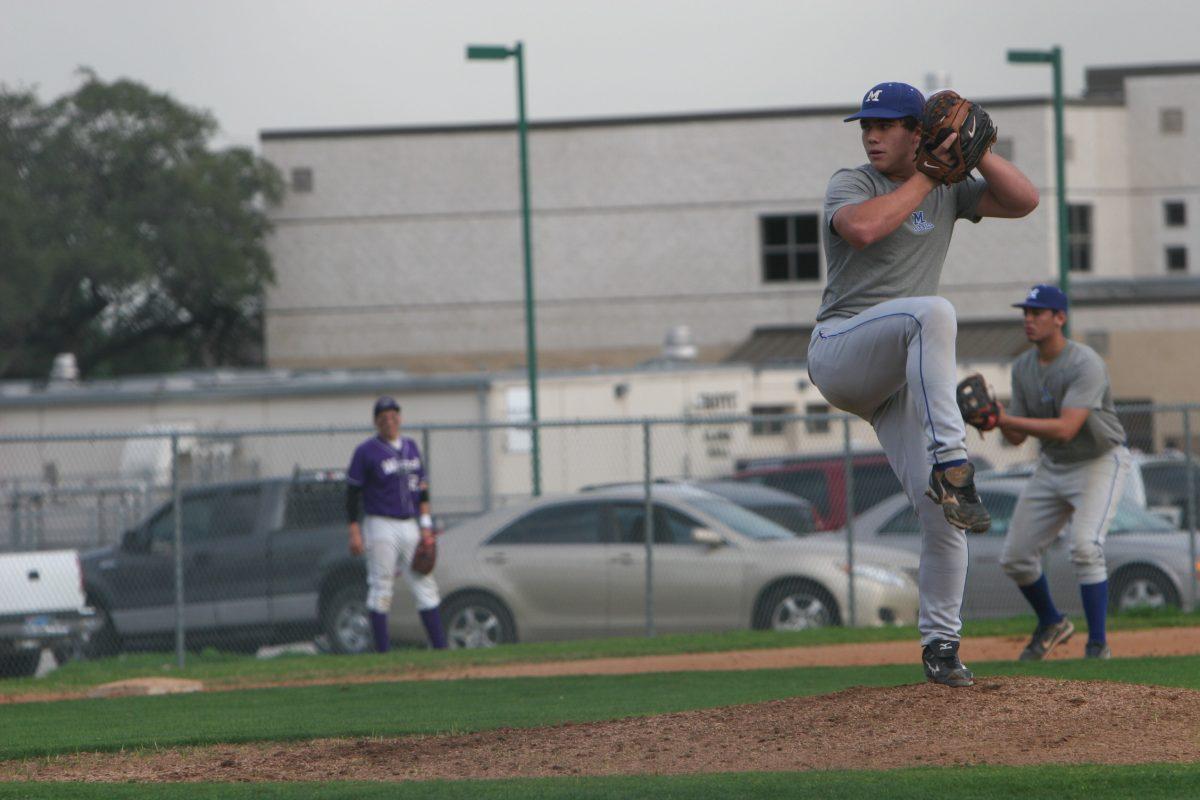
1044	295
385	403
890	101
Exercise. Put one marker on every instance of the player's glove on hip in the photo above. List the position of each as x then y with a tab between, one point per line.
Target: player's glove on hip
425	556
977	402
947	112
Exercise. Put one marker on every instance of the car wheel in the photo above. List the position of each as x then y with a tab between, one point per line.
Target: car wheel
797	606
20	663
345	622
1142	587
104	641
477	620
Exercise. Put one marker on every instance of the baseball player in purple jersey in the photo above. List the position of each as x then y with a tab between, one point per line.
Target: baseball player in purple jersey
387	475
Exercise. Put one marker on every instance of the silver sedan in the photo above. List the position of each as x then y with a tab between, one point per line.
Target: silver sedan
1149	563
576	566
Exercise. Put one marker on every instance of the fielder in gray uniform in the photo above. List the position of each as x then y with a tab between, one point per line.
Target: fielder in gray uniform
1061	395
883	347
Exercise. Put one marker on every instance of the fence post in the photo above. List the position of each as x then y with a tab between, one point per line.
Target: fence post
425	460
1191	497
849	466
648	525
177	513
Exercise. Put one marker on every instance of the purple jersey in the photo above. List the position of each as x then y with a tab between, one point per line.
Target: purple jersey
390	478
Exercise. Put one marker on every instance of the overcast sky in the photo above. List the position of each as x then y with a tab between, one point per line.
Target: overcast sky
284	64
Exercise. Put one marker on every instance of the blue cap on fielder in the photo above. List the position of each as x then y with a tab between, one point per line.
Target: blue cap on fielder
385	403
1044	295
890	101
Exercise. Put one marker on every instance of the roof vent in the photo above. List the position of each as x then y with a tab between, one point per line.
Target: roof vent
678	344
65	368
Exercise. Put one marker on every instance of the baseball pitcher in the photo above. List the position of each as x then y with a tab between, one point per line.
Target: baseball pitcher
883	347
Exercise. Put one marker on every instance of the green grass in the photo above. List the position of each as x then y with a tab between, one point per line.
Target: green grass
218	669
1146	782
405	708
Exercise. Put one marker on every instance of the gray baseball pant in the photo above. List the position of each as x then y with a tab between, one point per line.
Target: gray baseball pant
1086	494
894	366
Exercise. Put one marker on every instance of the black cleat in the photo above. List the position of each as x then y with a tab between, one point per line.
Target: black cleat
1097	650
1045	638
940	659
954	490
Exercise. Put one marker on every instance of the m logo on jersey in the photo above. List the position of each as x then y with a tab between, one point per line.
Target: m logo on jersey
919	224
873	97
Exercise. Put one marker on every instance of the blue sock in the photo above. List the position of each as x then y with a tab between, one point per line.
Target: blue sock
1095	607
431	618
1038	595
958	462
379	631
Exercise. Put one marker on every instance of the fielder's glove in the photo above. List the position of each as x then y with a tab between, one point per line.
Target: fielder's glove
425	556
977	402
947	112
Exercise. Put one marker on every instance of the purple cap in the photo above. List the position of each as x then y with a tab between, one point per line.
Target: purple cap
385	403
890	101
1044	295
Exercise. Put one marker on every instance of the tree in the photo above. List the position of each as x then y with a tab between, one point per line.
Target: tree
126	239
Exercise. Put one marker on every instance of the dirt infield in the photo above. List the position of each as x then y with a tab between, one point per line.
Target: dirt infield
1016	721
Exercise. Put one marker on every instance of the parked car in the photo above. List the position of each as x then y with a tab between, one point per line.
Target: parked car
821	479
264	562
1166	481
1148	559
575	566
41	606
794	513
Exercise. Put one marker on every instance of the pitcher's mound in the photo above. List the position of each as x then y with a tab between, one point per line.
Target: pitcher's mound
146	686
997	721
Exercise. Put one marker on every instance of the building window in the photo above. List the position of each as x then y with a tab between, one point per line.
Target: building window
816	425
1079	237
769	427
1177	259
1004	148
1170	120
302	179
1175	213
790	248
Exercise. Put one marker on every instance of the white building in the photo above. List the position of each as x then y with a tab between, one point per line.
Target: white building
401	247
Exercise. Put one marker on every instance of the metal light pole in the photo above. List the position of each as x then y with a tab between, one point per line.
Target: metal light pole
499	53
1053	57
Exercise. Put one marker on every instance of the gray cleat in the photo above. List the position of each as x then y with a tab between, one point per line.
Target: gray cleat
954	490
1097	650
940	659
1045	638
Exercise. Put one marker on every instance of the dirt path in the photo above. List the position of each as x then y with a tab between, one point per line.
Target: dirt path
1125	644
1014	721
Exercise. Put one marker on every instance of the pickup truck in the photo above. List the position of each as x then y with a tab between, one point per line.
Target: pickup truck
41	605
264	562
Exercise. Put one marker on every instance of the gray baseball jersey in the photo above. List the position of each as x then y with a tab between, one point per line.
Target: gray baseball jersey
884	348
906	263
1077	378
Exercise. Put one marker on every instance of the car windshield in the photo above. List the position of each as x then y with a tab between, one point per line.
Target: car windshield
1133	519
744	522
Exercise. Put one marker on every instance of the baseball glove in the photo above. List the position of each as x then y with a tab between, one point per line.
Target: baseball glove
945	113
424	557
977	402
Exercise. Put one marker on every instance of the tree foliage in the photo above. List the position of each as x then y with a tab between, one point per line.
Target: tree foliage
124	237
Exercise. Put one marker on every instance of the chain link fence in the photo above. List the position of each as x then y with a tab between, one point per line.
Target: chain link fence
715	521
